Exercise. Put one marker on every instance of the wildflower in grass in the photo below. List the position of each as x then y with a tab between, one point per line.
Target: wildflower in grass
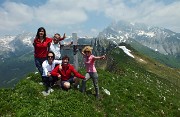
28	77
164	98
162	112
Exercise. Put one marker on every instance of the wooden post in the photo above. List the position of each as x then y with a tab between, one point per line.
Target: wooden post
75	50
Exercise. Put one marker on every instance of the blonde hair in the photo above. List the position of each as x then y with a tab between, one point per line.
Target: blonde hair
87	48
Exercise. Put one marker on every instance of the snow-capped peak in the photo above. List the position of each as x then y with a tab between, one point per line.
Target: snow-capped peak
164	40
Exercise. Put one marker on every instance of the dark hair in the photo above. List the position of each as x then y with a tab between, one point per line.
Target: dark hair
39	30
52	53
65	57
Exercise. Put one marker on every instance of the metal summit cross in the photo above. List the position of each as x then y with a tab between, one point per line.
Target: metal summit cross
75	48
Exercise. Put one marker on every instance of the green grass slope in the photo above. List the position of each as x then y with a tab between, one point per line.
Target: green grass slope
14	69
134	92
170	60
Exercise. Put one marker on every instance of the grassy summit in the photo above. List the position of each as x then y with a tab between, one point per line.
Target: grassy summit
136	89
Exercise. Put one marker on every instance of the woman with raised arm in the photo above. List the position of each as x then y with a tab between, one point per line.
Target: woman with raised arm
91	72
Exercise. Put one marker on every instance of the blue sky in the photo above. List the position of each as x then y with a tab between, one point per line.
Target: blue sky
85	17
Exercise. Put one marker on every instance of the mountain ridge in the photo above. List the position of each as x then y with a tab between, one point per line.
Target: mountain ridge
159	39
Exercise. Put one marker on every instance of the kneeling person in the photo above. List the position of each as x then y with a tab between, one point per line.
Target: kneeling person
48	65
65	73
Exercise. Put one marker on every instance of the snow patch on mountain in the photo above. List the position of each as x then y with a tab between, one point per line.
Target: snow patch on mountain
16	45
155	38
127	51
149	34
27	41
5	43
111	37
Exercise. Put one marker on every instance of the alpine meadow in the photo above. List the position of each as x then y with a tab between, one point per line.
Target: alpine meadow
138	86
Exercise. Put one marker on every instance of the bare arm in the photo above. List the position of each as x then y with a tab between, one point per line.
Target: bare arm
64	36
99	57
83	53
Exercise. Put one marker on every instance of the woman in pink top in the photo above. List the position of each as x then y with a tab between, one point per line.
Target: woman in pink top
91	72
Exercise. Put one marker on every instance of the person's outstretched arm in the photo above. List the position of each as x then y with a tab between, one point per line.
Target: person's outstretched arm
64	36
77	74
83	53
99	57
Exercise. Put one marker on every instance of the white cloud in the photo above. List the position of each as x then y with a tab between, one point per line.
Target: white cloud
58	13
146	11
93	5
166	16
13	15
94	31
60	17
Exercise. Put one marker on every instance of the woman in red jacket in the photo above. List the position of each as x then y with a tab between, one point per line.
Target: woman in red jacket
64	71
41	47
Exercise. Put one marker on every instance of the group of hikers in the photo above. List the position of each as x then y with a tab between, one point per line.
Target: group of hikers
55	69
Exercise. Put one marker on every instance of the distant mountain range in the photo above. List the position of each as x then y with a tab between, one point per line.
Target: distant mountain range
11	46
162	40
16	52
158	39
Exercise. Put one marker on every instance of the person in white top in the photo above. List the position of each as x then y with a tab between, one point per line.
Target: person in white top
48	65
56	45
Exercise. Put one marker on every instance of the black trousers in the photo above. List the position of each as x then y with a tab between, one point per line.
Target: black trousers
49	81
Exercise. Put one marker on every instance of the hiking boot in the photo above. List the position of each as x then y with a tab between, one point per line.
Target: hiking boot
76	86
41	83
45	93
50	90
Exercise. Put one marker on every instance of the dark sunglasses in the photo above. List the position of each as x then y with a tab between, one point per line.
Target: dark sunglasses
50	57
